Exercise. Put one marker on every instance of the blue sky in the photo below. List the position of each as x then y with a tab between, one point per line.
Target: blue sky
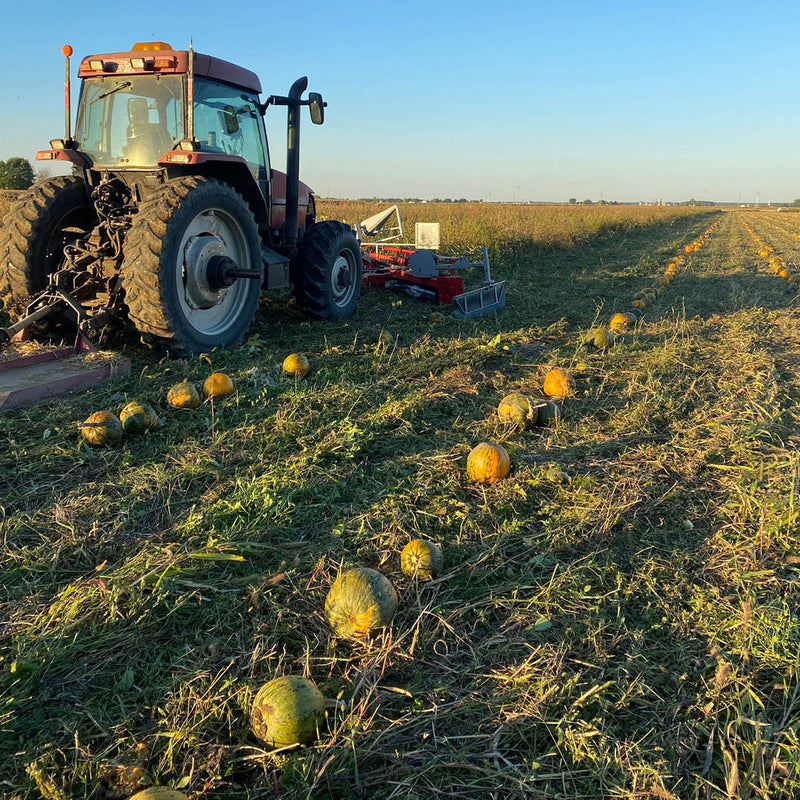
500	101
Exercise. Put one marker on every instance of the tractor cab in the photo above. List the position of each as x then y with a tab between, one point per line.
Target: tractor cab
154	113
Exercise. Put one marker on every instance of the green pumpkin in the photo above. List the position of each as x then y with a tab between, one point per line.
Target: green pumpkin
183	395
360	602
102	429
288	710
517	409
548	412
137	418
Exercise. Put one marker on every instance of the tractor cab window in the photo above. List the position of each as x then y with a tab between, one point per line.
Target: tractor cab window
130	121
226	120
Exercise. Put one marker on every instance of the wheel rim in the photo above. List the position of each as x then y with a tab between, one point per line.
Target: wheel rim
343	278
212	232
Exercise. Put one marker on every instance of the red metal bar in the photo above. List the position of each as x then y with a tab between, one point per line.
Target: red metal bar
38	376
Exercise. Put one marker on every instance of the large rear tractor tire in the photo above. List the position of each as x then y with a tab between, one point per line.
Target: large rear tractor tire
329	283
178	238
44	219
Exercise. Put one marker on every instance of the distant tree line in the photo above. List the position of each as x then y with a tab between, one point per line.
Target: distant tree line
16	173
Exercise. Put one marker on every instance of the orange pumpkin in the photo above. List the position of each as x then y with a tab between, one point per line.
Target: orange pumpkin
559	383
488	463
618	322
218	384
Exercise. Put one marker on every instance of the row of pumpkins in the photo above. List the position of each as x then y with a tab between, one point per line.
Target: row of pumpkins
489	462
777	264
290	709
105	428
624	320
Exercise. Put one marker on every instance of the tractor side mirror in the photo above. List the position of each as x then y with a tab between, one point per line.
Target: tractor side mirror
317	108
230	119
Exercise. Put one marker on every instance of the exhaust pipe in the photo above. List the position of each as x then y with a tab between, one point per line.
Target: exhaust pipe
293	161
66	51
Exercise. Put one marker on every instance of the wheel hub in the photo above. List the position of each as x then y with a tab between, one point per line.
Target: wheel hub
202	256
341	277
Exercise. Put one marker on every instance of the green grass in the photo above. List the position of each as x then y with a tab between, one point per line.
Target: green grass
616	619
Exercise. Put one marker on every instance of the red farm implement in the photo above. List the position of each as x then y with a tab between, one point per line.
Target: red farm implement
420	271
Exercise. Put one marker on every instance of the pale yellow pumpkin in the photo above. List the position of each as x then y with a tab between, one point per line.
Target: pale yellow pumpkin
159	793
422	559
288	710
296	364
360	602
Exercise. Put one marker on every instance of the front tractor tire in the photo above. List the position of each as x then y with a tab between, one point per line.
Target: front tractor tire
178	236
329	283
44	219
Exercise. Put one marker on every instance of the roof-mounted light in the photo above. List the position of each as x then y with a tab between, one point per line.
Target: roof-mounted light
96	64
142	63
150	46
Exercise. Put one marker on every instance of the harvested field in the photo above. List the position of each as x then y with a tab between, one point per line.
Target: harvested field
616	618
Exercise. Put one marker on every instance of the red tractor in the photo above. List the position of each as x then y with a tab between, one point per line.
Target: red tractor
172	215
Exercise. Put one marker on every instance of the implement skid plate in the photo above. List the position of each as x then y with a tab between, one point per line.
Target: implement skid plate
53	373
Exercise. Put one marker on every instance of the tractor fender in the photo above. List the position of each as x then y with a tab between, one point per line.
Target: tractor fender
232	170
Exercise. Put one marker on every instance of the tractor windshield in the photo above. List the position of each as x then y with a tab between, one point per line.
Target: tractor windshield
129	120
